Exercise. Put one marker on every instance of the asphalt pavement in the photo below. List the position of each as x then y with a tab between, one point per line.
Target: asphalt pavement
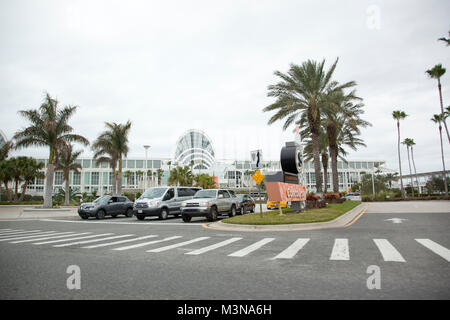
393	251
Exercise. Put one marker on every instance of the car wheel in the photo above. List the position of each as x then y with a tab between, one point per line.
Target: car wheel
84	216
252	209
163	215
186	218
129	213
212	216
139	217
100	214
232	212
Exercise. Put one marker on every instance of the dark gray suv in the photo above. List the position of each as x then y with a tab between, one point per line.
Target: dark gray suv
106	206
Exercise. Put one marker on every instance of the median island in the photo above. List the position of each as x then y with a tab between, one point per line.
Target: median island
331	212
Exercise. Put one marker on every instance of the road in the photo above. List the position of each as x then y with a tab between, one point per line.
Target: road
122	258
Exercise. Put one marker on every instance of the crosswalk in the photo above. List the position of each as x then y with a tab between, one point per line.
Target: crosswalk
236	247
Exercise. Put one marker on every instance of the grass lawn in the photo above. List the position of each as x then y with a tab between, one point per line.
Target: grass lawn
332	211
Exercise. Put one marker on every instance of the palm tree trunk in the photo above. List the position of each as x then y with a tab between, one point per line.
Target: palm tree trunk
16	189
316	154
114	182
399	161
325	171
8	193
415	172
334	171
443	162
66	193
442	108
24	190
410	172
49	185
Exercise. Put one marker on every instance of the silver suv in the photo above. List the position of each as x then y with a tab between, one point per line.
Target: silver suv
162	201
210	203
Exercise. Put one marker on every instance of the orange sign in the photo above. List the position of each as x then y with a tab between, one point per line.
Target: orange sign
280	191
258	177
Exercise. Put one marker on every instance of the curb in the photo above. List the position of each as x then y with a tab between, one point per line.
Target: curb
345	220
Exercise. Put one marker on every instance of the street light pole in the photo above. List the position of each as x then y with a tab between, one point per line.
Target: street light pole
146	168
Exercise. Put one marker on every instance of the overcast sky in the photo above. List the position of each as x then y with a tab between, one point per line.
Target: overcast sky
169	66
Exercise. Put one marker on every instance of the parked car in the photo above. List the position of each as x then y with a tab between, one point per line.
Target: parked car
210	203
106	206
247	203
353	196
162	201
274	204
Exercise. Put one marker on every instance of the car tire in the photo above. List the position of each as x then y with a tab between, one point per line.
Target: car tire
252	210
186	218
129	213
100	214
140	217
164	214
212	216
232	212
84	216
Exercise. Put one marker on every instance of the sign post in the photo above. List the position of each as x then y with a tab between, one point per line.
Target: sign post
259	177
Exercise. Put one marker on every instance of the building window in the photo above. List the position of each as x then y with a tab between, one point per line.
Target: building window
58	178
86	163
76	178
139	164
370	165
358	165
364	165
156	164
87	178
104	165
131	164
95	178
105	178
149	164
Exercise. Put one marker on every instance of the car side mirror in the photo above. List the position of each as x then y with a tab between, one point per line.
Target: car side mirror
110	201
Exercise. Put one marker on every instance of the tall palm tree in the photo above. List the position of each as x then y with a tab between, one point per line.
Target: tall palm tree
49	127
439	118
68	162
399	115
323	147
411	146
5	149
114	142
104	152
407	143
30	171
436	73
303	92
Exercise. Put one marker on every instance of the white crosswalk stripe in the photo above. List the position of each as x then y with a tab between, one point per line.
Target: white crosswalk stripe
292	250
20	237
251	248
118	242
146	243
436	248
94	240
340	250
10	231
214	246
76	238
18	233
70	234
177	245
5	229
388	251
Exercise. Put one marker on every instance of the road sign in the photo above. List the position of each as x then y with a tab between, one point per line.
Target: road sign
256	157
258	176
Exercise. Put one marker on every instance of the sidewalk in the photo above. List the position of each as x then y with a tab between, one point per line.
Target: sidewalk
19	212
342	221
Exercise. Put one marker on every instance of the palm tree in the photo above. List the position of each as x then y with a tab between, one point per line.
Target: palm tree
412	144
127	175
302	93
446	40
439	118
104	152
181	176
390	177
407	142
160	173
323	147
49	127
68	162
399	115
5	149
204	181
30	171
114	142
436	73
6	176
150	174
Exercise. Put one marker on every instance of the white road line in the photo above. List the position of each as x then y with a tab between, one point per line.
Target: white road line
5	229
95	240
388	251
176	245
77	238
71	234
11	231
292	250
340	250
20	237
5	235
436	248
251	248
138	223
146	243
214	246
118	242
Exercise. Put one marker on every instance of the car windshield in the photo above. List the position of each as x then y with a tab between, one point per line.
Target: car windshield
240	196
102	200
205	194
153	193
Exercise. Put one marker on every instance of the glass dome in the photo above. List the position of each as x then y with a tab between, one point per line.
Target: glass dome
195	146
